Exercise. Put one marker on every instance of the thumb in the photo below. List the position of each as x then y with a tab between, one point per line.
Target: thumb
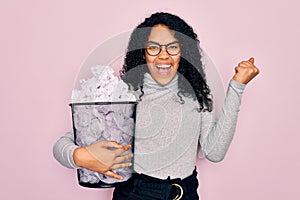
251	60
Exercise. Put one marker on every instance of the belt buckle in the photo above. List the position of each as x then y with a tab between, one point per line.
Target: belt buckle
178	196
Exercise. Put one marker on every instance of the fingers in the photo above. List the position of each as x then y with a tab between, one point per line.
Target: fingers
121	159
119	151
114	175
126	147
121	165
247	63
111	144
116	145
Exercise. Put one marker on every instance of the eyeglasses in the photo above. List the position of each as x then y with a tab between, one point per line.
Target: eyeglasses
154	48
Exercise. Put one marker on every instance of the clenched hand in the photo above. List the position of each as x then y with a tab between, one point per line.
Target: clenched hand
245	71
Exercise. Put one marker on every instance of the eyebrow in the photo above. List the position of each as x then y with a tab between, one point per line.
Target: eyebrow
153	42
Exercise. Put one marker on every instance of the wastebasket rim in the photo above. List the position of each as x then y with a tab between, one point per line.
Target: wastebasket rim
103	103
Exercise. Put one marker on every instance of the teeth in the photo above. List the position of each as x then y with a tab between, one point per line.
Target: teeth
163	66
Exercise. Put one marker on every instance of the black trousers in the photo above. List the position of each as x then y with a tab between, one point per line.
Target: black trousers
143	187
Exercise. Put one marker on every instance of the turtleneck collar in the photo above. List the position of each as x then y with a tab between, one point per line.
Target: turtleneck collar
151	83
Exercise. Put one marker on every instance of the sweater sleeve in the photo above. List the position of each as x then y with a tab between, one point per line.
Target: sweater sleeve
63	150
216	135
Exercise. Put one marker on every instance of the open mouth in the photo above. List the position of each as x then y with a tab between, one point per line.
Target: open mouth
164	69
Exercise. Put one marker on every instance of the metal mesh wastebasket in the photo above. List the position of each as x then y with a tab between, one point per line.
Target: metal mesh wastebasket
96	121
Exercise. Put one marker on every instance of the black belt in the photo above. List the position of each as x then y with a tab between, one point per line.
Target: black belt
155	188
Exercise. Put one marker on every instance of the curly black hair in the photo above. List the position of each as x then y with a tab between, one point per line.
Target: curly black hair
192	83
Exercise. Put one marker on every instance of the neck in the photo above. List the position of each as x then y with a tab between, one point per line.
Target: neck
149	82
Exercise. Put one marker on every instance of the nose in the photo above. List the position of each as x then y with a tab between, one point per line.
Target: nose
163	53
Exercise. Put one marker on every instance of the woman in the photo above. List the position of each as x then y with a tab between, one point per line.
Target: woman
163	66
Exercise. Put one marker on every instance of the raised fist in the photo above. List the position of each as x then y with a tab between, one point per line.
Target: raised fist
245	71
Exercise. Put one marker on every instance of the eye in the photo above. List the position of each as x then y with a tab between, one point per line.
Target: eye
153	47
173	47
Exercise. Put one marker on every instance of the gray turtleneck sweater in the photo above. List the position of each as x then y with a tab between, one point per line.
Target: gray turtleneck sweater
168	132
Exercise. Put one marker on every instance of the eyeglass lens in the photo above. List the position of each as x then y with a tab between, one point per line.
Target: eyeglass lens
154	49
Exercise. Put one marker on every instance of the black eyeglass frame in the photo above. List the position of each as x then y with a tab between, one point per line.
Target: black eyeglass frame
160	47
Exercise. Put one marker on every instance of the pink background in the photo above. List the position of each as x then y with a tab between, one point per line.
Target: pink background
44	43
